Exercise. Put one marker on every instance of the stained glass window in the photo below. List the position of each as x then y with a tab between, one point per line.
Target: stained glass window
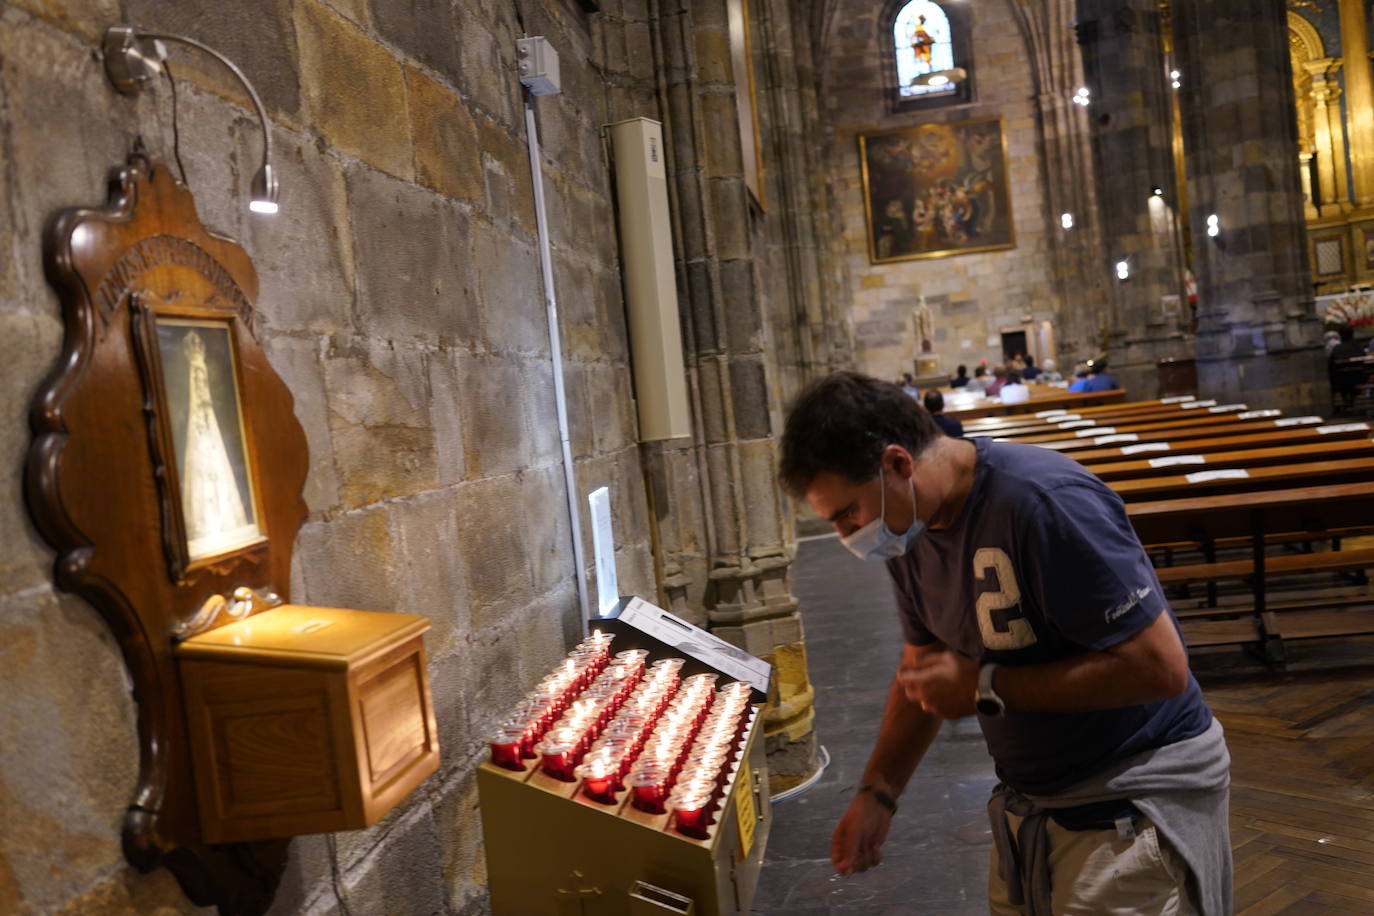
924	44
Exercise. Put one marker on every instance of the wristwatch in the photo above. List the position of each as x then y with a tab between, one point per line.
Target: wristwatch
986	700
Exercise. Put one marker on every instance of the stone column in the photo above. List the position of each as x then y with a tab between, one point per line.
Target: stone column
1066	151
723	524
1257	337
1328	137
1359	90
1131	138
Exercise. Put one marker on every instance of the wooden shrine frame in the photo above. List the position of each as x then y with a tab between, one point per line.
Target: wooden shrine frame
104	482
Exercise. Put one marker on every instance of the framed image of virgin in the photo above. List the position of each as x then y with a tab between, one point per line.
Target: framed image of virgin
935	190
213	471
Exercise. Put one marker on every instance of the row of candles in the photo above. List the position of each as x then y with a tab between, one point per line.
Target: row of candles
612	722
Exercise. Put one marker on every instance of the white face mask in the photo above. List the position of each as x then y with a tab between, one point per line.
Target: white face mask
875	541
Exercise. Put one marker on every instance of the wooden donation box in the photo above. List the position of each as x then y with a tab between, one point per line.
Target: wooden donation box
307	720
632	780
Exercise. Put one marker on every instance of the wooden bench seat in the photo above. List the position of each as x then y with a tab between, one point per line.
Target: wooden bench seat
1257	457
1329	561
1172	431
1259	478
1130	451
1200	633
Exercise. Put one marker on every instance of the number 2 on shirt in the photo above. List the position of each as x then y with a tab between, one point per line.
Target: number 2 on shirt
1010	629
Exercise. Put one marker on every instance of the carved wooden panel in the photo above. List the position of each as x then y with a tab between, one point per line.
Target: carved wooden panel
166	470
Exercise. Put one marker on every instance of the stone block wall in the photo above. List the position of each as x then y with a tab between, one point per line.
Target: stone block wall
401	301
973	296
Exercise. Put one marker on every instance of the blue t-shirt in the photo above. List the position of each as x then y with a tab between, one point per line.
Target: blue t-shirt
1042	564
1104	382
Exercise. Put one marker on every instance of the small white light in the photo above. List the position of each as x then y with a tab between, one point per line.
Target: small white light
1213	225
1177	84
1156	191
1174	74
1066	220
1123	270
1081	96
263	206
937	80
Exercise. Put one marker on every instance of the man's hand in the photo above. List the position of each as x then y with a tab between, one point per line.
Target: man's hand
941	683
858	840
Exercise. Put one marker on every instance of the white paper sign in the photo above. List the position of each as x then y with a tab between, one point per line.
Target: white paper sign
1063	417
1194	405
1052	413
1172	460
1294	421
1226	408
1342	428
1145	447
1228	474
1119	437
1074	424
1096	431
1258	414
603	544
1177	400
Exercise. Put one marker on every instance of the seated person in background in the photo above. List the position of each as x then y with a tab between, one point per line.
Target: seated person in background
1099	379
1345	379
909	385
1330	338
999	378
980	380
1080	379
935	405
1051	373
960	377
1014	392
1032	371
1016	364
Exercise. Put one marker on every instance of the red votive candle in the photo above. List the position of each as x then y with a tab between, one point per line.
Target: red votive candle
556	759
506	748
648	784
690	812
597	781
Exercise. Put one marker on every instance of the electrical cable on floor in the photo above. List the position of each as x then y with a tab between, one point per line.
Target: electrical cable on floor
334	875
810	781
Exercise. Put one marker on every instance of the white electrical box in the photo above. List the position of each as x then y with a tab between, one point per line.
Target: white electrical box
646	250
538	65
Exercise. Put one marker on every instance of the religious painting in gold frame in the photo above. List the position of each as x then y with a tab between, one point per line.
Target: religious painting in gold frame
936	190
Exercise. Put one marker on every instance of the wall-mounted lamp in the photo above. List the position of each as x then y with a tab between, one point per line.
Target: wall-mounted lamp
1156	191
1175	79
1066	220
1213	226
133	59
1082	96
1123	270
941	77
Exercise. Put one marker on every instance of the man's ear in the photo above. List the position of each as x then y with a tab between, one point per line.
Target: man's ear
898	460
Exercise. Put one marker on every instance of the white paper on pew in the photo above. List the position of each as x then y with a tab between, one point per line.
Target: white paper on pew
1119	437
1051	413
1172	460
1257	414
1077	423
1096	431
1226	408
1145	447
1193	405
1342	428
1294	421
1228	474
1178	400
1063	417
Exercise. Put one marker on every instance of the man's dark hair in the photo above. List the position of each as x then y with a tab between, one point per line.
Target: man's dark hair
1000	372
1013	377
962	370
980	372
841	423
1347	333
1029	360
934	401
1081	373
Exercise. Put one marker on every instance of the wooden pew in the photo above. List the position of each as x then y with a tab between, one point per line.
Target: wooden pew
1214	480
1016	426
1139	451
1167	431
1166	465
1315	510
1038	402
1078	429
1016	421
